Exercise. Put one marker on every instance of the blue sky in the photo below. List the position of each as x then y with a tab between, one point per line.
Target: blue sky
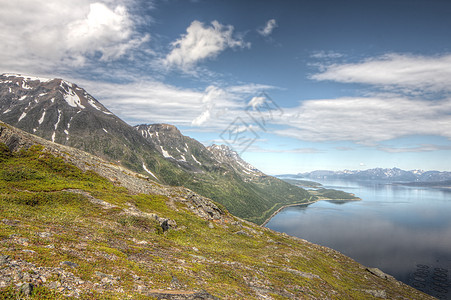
293	86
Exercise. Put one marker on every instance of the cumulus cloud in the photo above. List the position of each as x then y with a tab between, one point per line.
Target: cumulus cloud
366	120
202	42
39	35
268	28
394	71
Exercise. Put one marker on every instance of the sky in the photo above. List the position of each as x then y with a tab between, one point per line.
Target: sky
292	86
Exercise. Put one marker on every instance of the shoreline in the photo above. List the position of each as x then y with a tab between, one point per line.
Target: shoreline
305	203
285	206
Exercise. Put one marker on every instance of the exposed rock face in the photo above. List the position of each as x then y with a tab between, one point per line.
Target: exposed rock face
225	155
184	151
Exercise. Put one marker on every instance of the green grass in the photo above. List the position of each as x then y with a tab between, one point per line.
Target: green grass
215	259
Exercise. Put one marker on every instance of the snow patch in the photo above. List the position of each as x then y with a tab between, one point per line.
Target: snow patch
26	86
66	132
42	118
196	159
22	116
70	96
183	158
148	171
165	153
59	119
105	130
23	97
53	136
7	111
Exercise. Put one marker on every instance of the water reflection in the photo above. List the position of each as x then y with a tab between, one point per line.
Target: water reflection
394	228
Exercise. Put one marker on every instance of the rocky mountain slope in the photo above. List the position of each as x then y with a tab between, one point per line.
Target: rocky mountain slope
63	112
73	224
220	174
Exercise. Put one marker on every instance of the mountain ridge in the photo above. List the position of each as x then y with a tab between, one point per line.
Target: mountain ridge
63	112
386	174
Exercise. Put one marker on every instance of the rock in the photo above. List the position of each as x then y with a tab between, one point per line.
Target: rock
181	295
210	225
29	251
164	225
302	274
377	293
44	234
379	273
10	222
26	289
54	285
70	264
175	283
4	259
242	232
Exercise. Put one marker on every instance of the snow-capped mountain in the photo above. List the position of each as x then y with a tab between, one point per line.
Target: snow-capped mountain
386	174
63	112
224	154
174	146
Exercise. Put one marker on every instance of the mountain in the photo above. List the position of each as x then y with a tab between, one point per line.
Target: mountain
393	174
65	113
219	173
76	226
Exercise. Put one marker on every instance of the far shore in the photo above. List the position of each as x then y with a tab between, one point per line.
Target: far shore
305	203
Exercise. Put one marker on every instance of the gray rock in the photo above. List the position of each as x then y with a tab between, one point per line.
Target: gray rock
26	289
379	273
70	264
4	259
242	232
44	234
377	293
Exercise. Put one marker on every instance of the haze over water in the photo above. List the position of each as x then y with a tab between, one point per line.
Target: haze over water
404	231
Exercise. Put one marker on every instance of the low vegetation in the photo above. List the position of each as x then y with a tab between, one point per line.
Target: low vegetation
54	236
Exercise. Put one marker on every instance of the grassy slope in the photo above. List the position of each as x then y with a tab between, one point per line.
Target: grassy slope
217	260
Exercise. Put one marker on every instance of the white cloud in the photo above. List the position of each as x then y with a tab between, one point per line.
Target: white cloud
326	54
395	71
420	148
201	42
154	102
366	120
269	27
39	35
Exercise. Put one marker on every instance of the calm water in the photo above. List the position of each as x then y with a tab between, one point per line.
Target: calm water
404	231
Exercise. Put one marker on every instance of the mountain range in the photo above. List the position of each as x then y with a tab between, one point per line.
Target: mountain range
63	112
384	174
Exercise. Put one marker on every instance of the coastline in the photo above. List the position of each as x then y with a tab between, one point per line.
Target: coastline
285	206
305	203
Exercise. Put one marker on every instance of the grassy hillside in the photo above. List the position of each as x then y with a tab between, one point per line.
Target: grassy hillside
69	232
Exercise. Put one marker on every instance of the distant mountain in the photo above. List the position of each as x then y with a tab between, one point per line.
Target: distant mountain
65	113
393	174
